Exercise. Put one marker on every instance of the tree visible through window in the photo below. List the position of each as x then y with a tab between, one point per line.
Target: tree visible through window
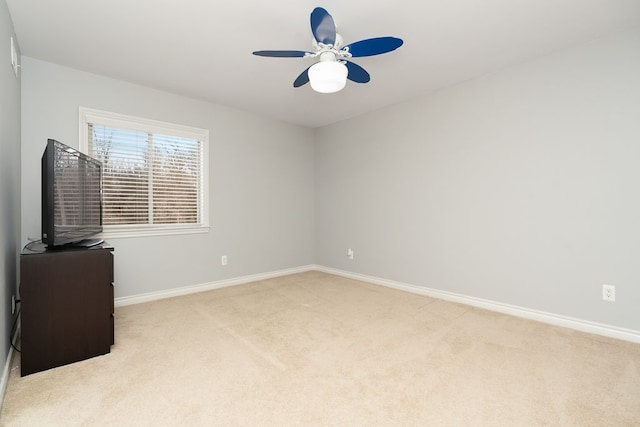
151	177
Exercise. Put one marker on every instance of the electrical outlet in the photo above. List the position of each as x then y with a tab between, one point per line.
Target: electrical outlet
609	293
350	253
13	304
223	260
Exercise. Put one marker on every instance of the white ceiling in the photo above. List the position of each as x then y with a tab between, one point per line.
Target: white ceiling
202	48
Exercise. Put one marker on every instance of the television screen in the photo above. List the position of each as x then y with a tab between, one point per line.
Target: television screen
71	195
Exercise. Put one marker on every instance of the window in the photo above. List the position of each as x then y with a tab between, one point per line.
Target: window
154	174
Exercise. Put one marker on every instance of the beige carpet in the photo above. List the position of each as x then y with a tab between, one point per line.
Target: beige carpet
315	349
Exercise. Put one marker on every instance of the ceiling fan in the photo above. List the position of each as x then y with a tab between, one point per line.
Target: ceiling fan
331	72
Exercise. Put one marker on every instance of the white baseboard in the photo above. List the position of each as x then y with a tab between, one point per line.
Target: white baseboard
523	312
5	376
527	313
7	368
169	293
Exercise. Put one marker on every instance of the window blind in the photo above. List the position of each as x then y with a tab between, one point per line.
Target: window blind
148	178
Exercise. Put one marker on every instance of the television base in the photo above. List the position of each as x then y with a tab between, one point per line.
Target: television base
87	243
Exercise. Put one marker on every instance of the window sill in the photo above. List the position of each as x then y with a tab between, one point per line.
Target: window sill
124	232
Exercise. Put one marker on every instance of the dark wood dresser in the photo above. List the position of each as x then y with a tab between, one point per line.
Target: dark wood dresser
67	305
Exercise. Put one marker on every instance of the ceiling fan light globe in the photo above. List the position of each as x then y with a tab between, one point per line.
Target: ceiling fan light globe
328	76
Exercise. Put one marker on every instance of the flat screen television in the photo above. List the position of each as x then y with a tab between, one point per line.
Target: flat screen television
71	197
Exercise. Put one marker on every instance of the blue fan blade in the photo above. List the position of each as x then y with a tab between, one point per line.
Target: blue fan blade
356	73
323	27
302	79
281	53
376	46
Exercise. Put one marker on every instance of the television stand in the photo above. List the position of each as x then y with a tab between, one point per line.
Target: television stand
66	305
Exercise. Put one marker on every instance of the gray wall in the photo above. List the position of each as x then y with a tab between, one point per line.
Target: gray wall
261	180
518	187
521	187
9	180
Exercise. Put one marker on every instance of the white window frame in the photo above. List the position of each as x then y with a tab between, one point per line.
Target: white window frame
122	121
